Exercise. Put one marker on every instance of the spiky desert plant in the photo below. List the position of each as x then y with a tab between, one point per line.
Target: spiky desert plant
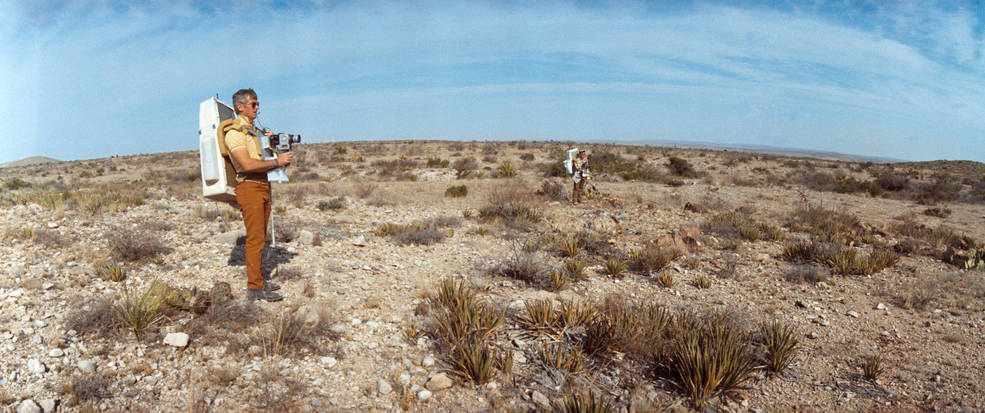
575	268
475	360
666	279
568	247
614	267
507	169
562	358
582	403
702	282
650	259
872	366
559	280
540	314
112	272
781	345
385	229
572	314
710	360
138	312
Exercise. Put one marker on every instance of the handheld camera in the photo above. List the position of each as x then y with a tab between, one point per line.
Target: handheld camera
283	142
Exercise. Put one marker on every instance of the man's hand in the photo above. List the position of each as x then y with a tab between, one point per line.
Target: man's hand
284	159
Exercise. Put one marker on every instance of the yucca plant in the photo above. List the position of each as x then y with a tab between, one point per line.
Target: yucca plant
781	345
138	313
666	279
559	280
476	323
112	272
507	169
599	336
575	268
474	360
573	314
582	403
540	314
385	229
710	360
872	366
614	267
702	282
568	248
560	357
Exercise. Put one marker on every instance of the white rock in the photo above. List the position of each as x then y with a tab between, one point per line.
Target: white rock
52	225
439	381
853	314
428	361
35	366
383	387
48	405
359	241
540	399
423	395
881	306
329	361
56	352
404	379
39	324
86	366
306	237
491	385
337	328
28	406
176	339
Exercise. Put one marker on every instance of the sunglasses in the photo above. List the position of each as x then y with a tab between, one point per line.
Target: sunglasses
255	104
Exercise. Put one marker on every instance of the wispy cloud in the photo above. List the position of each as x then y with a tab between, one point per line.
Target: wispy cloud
902	80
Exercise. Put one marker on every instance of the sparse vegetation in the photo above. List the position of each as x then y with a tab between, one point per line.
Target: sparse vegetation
456	191
648	260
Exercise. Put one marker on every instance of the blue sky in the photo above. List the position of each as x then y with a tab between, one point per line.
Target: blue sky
901	80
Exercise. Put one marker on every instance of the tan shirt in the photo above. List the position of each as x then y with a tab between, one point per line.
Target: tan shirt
236	139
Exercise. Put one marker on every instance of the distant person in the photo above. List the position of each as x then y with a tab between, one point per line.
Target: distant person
579	173
252	190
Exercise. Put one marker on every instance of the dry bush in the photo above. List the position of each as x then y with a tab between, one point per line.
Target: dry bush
839	182
892	181
809	274
338	202
524	266
553	190
365	189
86	388
92	317
222	322
512	202
681	167
456	191
134	246
465	167
827	225
738	225
872	366
648	260
952	290
296	329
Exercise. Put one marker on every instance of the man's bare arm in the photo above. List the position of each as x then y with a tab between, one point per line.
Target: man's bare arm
251	165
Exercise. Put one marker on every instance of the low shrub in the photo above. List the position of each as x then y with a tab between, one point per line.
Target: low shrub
512	203
134	246
681	167
456	191
338	202
507	169
648	260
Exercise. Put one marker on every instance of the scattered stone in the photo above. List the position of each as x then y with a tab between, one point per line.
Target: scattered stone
383	387
28	406
404	379
517	305
540	399
315	403
86	366
329	361
306	237
337	328
423	395
360	241
881	306
801	304
176	339
428	361
56	352
52	225
491	386
853	314
440	381
48	405
39	324
230	237
35	366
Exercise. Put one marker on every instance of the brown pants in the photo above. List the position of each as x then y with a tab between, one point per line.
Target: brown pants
254	202
578	191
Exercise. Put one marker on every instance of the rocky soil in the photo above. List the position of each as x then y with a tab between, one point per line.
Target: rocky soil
368	341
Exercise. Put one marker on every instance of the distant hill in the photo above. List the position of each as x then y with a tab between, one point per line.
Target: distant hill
34	160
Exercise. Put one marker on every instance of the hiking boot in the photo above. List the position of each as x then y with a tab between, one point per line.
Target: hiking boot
270	286
263	294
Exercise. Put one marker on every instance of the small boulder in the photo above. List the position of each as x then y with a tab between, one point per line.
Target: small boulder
36	366
440	381
306	237
423	395
176	339
28	406
231	238
86	366
48	405
383	387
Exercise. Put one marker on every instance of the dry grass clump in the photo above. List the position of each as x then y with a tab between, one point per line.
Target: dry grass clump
839	182
575	269
541	314
827	225
92	317
558	280
86	388
465	167
134	246
614	267
138	313
648	260
295	329
781	345
507	169
564	359
553	190
456	191
809	274
872	366
582	403
525	266
842	260
511	202
338	202
425	232
953	290
111	272
666	279
738	225
702	282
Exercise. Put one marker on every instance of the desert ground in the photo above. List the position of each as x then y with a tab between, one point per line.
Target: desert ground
441	276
